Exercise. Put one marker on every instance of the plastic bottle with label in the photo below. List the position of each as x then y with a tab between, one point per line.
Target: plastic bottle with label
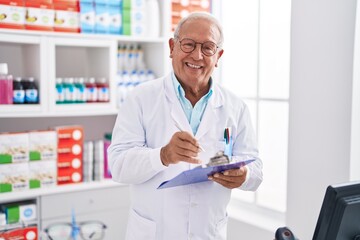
80	90
31	91
103	90
60	94
91	90
18	91
69	90
6	85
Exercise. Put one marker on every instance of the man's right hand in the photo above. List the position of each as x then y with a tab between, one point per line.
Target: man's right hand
183	147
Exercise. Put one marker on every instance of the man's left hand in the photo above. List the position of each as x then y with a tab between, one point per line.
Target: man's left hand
232	178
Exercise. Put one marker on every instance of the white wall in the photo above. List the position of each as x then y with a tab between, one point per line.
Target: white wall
322	47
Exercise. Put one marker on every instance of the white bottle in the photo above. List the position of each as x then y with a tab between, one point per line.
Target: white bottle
153	18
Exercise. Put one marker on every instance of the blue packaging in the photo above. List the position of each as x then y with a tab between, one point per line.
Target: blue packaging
115	16
101	17
87	16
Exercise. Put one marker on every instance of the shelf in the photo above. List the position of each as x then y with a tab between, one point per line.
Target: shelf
119	38
34	193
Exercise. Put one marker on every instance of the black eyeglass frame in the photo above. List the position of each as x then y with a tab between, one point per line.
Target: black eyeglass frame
196	43
76	227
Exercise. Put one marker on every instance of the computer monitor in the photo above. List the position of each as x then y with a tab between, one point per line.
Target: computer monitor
339	217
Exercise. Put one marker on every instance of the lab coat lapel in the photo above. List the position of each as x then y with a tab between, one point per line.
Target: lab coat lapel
211	117
176	111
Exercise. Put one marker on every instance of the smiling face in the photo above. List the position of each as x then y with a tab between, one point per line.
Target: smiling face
194	69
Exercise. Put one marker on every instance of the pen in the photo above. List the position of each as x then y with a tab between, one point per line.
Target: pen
178	127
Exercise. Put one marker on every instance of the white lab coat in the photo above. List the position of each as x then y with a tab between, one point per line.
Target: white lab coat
145	123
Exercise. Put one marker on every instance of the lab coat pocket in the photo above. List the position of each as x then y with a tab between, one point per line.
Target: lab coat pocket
221	228
140	228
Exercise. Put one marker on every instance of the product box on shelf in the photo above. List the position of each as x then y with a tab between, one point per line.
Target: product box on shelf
43	145
14	177
70	154
12	14
72	134
42	174
134	4
107	142
14	147
19	212
67	17
28	232
180	9
87	16
115	16
39	15
69	175
102	20
134	17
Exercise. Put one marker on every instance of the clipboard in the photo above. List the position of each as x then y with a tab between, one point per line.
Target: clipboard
200	174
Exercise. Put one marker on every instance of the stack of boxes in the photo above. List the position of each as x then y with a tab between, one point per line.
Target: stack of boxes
66	16
182	8
14	162
43	15
101	16
134	17
12	14
70	154
43	158
27	160
39	15
120	17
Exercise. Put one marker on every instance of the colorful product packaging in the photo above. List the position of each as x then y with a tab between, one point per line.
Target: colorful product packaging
42	174
67	16
19	213
102	20
14	148
14	177
107	142
43	145
28	233
39	15
70	154
115	16
12	14
87	16
134	17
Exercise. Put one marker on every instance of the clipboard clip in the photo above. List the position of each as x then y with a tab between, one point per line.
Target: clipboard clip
219	159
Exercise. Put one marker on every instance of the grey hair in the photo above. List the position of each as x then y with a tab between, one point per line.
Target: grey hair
201	15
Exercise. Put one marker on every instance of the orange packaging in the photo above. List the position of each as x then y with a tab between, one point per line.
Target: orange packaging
39	15
69	175
12	14
70	162
67	16
70	154
181	9
29	232
72	134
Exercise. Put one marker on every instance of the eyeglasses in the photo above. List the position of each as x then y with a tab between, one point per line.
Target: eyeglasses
90	230
188	45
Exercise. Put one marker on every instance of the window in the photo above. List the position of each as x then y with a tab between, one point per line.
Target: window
256	66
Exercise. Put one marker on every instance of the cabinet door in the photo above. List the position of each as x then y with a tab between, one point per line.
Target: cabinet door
108	205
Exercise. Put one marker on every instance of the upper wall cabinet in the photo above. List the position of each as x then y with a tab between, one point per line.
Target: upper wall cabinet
51	57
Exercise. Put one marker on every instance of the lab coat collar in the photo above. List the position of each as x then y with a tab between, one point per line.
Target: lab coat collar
210	116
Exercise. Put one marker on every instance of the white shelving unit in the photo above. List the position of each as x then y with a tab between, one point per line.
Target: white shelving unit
48	55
